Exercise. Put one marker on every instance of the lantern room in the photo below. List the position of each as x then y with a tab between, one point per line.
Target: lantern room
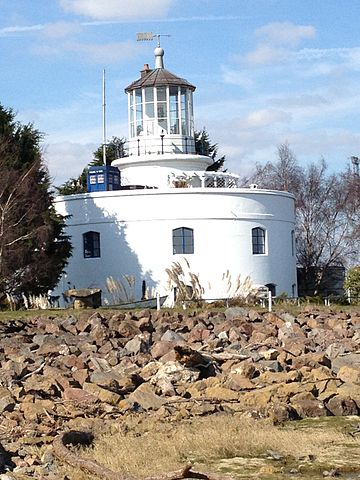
160	107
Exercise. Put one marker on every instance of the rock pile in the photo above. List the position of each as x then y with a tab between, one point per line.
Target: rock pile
103	365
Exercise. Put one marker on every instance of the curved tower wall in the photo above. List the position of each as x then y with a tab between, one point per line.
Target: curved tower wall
136	239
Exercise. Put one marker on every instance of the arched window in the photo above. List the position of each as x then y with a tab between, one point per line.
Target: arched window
258	241
183	240
91	241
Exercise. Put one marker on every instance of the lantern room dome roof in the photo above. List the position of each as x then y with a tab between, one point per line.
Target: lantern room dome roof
158	77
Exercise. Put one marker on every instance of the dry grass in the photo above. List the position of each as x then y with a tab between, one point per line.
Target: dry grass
149	447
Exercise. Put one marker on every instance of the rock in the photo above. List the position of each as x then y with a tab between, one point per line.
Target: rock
199	334
102	394
280	413
161	348
106	380
270	354
350	390
174	372
38	408
174	337
312	360
7	404
223	336
237	382
307	405
254	316
235	312
349	375
189	357
271	365
78	395
334	472
137	345
245	369
145	397
128	329
274	319
129	382
145	324
81	376
342	406
351	360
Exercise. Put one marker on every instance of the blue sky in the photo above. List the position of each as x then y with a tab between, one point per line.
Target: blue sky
266	71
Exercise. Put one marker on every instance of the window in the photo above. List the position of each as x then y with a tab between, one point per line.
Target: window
183	240
258	241
91	244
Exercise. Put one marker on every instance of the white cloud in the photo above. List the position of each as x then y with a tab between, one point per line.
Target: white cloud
277	40
299	100
60	159
118	9
236	77
266	54
105	53
15	29
61	29
263	118
285	33
96	53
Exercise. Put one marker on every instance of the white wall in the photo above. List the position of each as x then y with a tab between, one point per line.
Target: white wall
136	237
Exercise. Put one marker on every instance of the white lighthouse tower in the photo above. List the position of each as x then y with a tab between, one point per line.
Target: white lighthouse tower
161	128
171	210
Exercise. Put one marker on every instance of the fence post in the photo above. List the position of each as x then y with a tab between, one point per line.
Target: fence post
269	301
157	301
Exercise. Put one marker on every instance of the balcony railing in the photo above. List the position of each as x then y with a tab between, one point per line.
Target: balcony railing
207	180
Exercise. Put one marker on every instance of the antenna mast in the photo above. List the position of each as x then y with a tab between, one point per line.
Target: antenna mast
149	36
104	120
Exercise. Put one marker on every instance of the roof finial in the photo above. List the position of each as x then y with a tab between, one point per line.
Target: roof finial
159	52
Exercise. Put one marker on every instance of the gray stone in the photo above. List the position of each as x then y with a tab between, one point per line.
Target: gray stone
351	360
136	345
270	365
235	312
170	336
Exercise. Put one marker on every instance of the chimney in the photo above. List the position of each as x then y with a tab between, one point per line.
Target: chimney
146	70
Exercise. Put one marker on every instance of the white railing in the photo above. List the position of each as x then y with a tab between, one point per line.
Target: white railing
209	180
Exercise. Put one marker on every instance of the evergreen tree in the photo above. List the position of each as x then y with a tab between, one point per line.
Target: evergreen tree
203	146
33	246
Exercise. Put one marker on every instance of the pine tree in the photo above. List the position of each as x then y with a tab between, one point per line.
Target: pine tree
33	246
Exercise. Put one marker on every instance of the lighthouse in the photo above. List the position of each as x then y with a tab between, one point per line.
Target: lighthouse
171	220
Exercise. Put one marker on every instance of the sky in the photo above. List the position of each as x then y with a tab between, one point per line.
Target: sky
266	72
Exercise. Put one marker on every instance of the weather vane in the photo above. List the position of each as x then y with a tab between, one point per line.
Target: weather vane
149	36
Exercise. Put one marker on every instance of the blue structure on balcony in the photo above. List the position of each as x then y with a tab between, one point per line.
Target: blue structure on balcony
103	178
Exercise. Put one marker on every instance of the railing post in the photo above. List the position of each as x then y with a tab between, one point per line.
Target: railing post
269	301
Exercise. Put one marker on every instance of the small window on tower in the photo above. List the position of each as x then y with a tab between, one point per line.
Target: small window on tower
183	240
258	241
91	242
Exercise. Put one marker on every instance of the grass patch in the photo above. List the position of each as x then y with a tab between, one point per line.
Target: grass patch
146	446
